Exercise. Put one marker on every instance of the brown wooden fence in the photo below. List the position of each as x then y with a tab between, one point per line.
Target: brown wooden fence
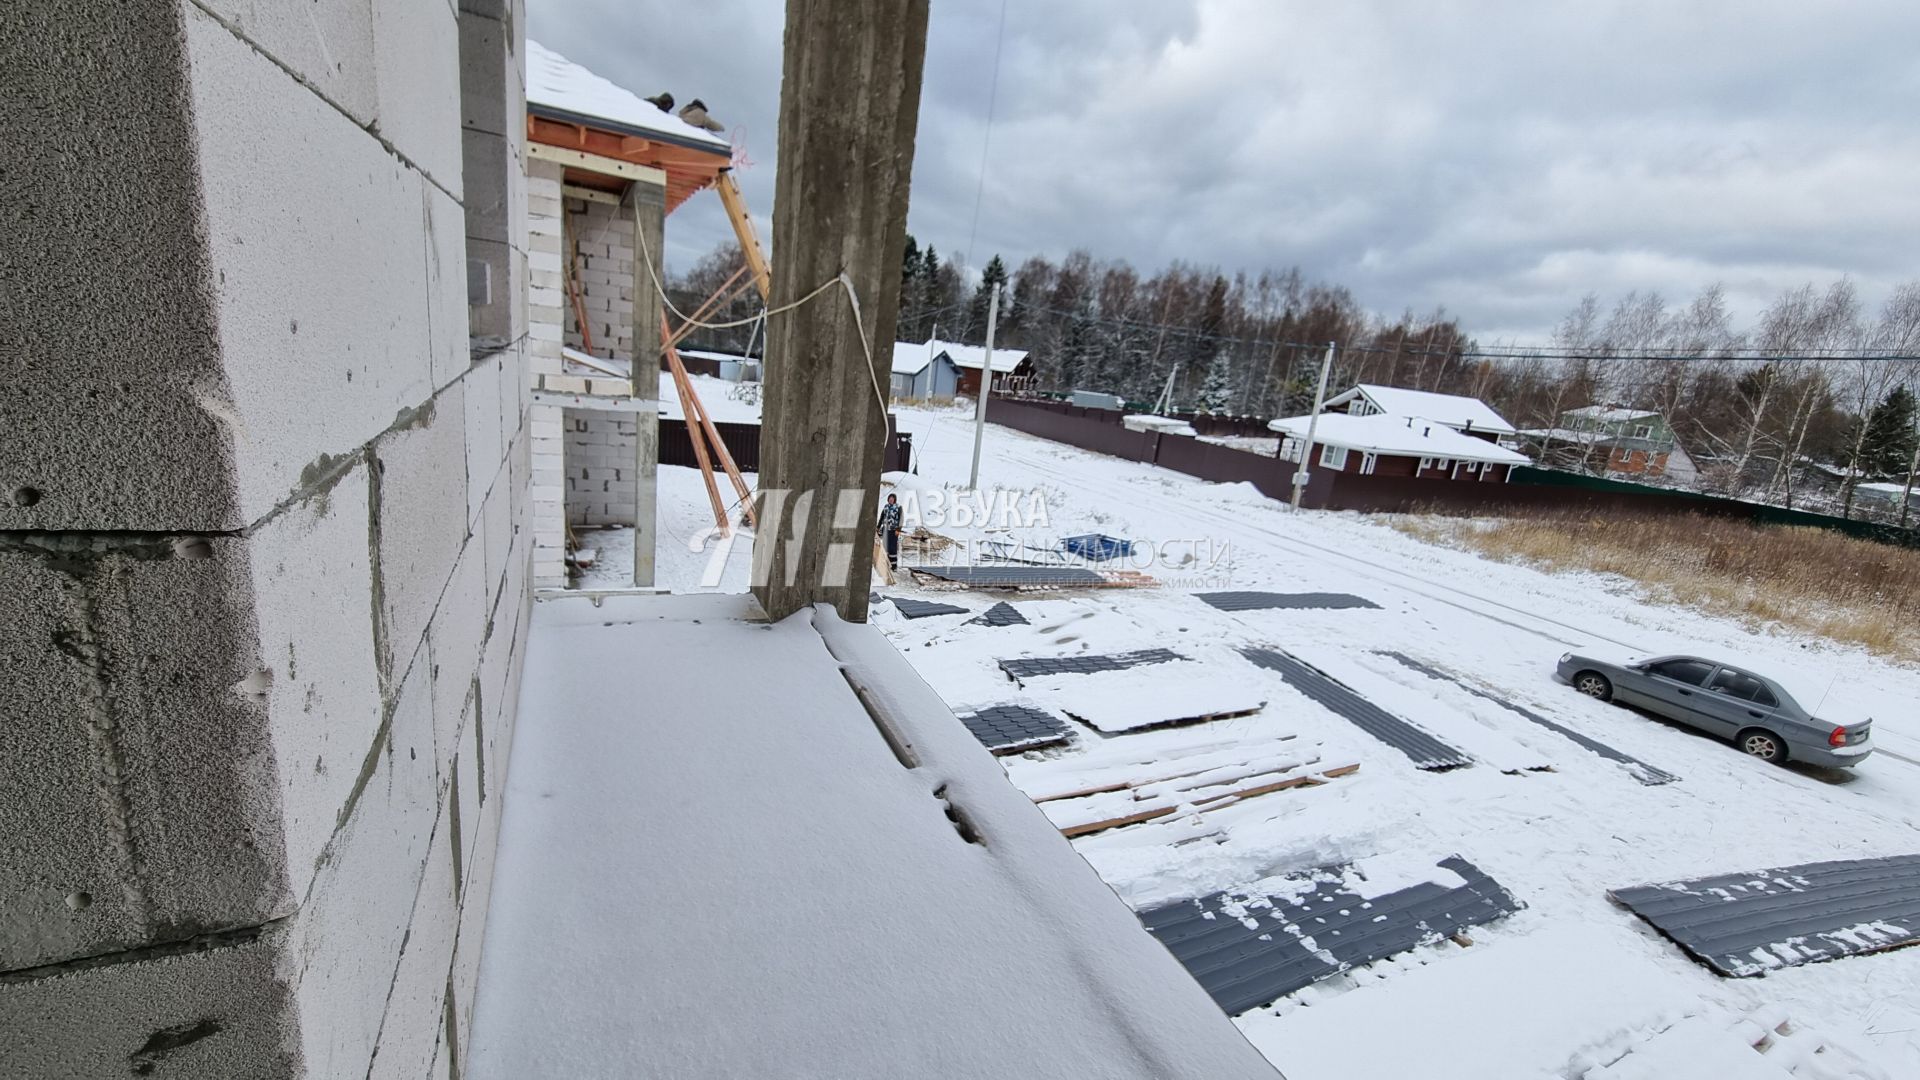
743	442
1100	430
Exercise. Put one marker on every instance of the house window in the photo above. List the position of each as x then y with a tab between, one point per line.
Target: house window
1644	431
1426	463
1333	457
1367	462
1473	466
1443	463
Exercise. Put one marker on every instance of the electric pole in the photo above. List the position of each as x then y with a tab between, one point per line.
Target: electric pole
849	103
986	388
1313	422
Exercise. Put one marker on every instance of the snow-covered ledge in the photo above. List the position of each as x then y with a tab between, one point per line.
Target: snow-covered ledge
734	848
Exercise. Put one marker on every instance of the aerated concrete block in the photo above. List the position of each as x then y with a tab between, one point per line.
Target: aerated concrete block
220	1011
446	298
320	269
313	580
455	636
137	787
347	939
422	510
414	1018
416	56
330	46
112	417
485	445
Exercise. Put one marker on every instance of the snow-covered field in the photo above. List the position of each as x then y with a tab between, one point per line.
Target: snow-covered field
1571	987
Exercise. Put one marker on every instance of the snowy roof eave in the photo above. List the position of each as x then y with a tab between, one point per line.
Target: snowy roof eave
560	89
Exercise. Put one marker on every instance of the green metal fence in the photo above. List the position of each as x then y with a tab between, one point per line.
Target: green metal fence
1760	513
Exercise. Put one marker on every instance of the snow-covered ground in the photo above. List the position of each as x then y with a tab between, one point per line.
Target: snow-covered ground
1572	987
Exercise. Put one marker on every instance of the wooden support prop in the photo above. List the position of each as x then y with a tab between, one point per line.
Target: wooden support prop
884	569
707	305
724	296
736	205
579	305
692	413
698	424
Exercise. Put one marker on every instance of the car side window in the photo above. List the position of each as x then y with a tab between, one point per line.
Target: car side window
1741	685
1691	672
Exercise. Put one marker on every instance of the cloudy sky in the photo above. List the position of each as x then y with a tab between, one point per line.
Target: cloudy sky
1501	160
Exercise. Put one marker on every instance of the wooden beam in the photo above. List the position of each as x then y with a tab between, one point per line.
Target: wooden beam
594	195
580	159
743	231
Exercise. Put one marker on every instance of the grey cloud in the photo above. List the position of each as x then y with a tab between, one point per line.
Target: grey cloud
1500	160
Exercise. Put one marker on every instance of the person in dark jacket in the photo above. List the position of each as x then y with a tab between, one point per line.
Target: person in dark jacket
890	530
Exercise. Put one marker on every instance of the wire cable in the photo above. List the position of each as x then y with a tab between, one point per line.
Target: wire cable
986	138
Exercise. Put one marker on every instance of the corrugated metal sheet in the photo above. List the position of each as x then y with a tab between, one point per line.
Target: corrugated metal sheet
1033	666
1261	601
1639	770
1013	577
1001	614
1425	751
1098	547
1756	922
1004	729
1251	949
919	609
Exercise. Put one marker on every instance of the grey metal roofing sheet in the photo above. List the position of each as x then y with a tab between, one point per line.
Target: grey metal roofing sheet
1639	770
1006	728
1260	601
1032	666
1001	614
1013	577
920	609
1752	923
1423	749
1296	940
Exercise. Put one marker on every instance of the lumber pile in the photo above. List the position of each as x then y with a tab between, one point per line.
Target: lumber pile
1198	783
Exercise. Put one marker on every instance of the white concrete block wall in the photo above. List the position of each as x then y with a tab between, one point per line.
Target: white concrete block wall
599	467
291	849
602	236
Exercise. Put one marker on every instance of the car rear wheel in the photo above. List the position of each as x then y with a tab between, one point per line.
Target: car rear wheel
1594	685
1764	745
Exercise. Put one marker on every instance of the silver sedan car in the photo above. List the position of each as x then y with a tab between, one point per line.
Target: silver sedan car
1757	713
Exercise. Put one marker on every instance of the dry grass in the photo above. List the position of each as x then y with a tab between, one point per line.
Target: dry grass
1813	580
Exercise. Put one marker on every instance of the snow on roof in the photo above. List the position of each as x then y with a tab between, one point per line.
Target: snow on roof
1894	490
973	356
1610	413
911	357
1453	410
703	354
1398	435
557	83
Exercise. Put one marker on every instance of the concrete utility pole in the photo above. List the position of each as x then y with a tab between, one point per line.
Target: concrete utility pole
986	389
1313	422
849	103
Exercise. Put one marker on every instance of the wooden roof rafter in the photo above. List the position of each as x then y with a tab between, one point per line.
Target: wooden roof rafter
689	170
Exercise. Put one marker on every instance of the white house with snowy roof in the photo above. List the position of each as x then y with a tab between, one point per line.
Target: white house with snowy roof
1376	444
1464	414
936	369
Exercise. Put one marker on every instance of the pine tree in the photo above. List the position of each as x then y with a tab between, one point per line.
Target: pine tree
909	320
929	294
1216	394
995	274
1887	449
